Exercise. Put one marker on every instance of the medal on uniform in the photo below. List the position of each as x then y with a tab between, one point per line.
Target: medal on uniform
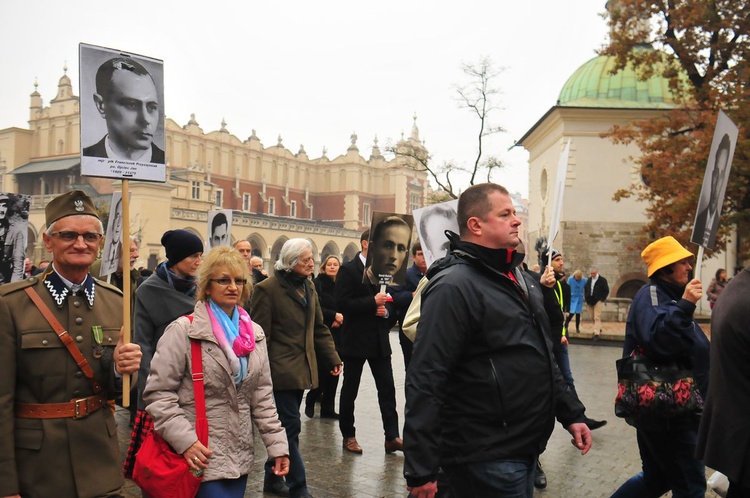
98	334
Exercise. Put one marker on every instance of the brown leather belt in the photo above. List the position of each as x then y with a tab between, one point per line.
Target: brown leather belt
77	408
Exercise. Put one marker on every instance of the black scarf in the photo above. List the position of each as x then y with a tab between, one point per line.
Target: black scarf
298	282
674	291
185	285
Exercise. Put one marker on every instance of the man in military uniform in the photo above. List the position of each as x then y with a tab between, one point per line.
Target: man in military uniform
57	430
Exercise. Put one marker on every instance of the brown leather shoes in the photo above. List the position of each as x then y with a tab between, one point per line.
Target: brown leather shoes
393	445
351	445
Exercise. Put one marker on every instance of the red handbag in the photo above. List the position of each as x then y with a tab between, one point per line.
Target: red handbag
159	470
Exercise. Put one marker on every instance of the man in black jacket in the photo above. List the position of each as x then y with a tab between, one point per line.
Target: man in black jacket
557	305
595	293
483	388
369	315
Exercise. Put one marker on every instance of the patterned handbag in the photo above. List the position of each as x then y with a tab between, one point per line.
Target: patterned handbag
647	389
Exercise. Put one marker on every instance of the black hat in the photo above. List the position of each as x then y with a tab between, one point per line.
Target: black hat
545	255
180	244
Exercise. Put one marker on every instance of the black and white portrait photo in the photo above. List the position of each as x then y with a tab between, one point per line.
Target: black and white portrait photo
122	115
432	222
219	228
14	221
388	248
112	252
711	199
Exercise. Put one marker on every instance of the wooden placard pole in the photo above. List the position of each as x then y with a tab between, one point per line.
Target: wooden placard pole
125	284
698	267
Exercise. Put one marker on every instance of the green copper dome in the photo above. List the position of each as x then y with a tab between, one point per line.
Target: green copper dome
594	85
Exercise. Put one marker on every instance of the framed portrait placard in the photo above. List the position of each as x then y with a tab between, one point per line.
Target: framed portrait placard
388	248
122	115
711	200
431	222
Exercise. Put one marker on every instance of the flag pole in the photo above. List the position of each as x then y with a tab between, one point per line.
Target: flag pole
125	284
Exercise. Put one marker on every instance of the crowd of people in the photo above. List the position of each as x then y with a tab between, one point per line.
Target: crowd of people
484	339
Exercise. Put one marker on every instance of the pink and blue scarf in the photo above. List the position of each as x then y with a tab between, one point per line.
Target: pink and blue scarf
234	335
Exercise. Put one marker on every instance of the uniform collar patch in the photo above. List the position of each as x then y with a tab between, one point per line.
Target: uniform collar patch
60	291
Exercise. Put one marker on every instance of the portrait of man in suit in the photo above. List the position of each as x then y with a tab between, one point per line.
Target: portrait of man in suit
389	249
709	212
219	235
112	251
127	99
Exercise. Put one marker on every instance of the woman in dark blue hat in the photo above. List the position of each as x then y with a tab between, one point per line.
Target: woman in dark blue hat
165	296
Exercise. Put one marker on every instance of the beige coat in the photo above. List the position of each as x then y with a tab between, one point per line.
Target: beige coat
170	401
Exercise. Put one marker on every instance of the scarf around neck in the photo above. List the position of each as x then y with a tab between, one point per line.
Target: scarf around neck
234	335
185	285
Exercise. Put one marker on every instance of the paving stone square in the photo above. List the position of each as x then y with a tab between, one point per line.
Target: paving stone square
334	473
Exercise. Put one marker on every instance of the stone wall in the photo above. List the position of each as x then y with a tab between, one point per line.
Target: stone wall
610	247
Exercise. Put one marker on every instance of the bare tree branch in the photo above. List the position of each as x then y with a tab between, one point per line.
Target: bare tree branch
478	96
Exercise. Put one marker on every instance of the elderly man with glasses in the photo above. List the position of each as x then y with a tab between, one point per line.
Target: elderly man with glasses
61	357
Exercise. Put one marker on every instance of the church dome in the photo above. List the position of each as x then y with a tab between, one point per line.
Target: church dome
594	85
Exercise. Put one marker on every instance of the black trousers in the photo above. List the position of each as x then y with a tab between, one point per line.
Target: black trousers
382	372
325	392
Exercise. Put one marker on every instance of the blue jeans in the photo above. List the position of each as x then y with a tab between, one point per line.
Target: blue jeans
223	488
668	464
563	362
506	478
288	404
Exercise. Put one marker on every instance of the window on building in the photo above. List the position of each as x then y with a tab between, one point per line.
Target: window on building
195	189
366	214
293	209
246	202
414	202
219	198
271	205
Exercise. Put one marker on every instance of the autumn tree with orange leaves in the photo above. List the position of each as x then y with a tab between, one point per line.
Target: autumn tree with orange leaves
707	47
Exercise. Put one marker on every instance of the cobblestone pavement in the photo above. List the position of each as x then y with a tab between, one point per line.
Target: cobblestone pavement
333	473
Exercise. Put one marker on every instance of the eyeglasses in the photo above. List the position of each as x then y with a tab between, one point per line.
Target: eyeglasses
226	281
70	236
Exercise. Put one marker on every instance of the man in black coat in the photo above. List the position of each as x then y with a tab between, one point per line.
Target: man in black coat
595	293
368	317
403	295
724	435
483	387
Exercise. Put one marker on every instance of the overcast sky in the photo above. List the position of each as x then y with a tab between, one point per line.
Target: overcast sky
314	72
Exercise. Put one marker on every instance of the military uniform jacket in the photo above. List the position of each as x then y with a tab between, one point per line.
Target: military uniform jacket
62	457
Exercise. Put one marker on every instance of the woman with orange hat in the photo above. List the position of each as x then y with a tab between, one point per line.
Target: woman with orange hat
660	326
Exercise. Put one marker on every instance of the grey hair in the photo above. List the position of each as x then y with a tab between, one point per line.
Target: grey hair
50	229
290	253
